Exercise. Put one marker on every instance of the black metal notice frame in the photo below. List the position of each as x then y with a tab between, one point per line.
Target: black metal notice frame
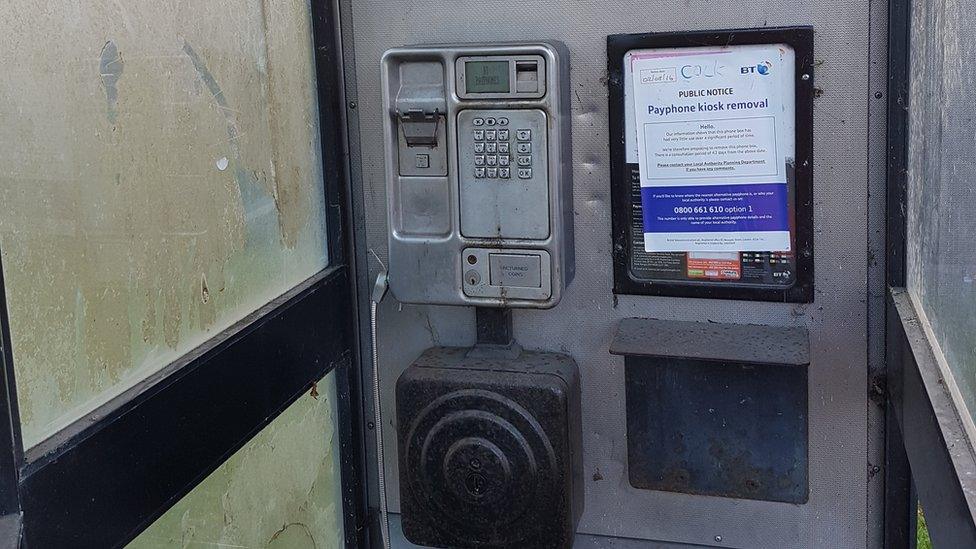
628	251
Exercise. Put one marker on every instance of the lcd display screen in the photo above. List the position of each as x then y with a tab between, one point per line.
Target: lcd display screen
486	76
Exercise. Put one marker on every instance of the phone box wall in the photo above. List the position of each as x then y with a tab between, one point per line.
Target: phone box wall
844	320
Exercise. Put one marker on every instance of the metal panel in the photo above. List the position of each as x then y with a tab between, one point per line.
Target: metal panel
900	503
582	541
581	325
726	342
727	429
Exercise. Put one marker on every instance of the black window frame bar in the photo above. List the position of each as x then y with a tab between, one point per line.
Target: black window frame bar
109	475
928	455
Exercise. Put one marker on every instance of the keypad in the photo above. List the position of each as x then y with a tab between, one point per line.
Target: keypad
498	178
493	147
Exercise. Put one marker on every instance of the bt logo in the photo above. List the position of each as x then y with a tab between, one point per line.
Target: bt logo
763	68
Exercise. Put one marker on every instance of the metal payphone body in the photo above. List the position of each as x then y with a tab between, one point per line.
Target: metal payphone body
479	175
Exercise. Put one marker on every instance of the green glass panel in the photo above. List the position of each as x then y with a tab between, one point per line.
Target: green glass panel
280	491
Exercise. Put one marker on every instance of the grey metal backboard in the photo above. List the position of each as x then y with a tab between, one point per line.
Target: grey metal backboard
581	325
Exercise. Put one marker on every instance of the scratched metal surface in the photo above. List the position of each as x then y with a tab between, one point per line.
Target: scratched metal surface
581	325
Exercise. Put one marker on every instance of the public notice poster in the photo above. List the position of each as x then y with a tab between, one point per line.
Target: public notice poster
715	140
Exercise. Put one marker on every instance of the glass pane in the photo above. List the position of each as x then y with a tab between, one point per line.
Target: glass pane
942	186
161	179
281	490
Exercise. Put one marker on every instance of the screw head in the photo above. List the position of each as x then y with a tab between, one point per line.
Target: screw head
805	77
718	539
352	104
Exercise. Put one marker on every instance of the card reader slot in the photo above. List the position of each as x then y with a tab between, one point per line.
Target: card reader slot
526	76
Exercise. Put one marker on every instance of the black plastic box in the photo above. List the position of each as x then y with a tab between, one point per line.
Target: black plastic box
490	450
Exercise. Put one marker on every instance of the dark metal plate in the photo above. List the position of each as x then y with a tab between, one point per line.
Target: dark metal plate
717	428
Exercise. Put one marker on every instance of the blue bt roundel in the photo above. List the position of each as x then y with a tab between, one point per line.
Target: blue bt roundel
764	67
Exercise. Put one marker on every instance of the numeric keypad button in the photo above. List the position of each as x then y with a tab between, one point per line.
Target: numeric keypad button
492	173
503	147
479	173
479	147
479	135
504	173
503	135
490	135
479	160
503	160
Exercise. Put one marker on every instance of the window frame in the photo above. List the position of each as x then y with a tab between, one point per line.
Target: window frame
923	459
125	463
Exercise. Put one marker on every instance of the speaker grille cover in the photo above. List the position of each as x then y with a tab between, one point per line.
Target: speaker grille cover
489	450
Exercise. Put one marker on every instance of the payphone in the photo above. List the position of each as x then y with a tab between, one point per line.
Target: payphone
479	176
479	195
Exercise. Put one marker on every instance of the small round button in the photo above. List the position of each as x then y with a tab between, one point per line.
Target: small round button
490	121
503	121
479	121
